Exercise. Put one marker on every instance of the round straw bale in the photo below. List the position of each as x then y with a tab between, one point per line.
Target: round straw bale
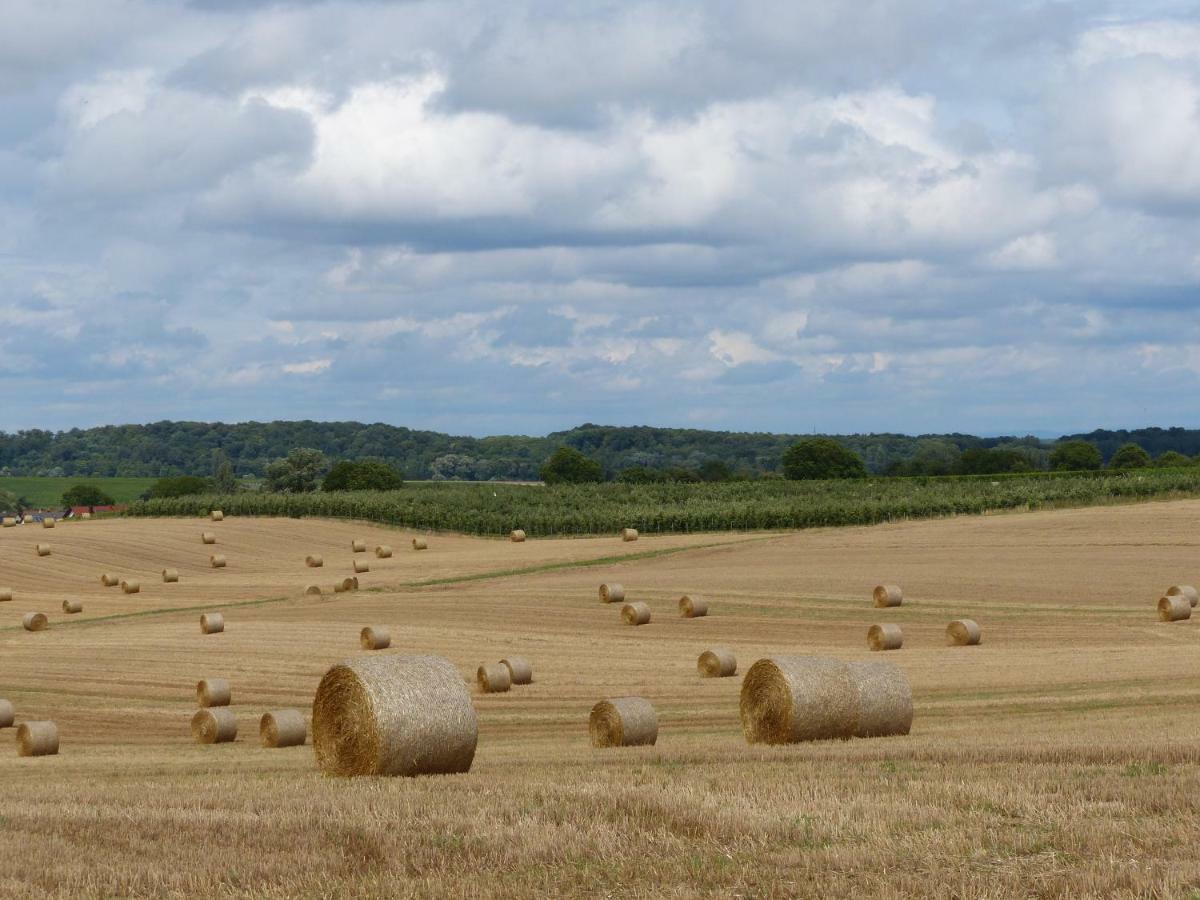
623	722
383	551
28	520
6	594
213	692
170	576
520	671
349	584
37	739
109	580
283	728
394	715
885	704
340	587
888	595
361	566
1185	590
884	637
131	586
419	543
692	607
963	633
313	561
635	613
43	549
85	516
493	678
719	662
7	714
358	546
314	589
517	535
612	593
212	623
35	621
207	537
214	726
786	699
217	561
72	606
375	637
9	522
48	522
216	515
629	534
1174	608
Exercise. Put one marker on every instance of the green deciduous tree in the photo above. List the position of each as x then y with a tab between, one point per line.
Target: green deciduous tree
1129	456
362	475
821	457
297	473
179	486
568	466
1172	459
86	495
1076	455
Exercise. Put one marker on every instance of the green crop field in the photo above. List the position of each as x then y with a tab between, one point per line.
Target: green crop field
47	492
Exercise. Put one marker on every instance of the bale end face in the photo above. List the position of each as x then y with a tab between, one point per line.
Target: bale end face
963	633
635	614
692	607
885	637
887	595
493	678
7	714
283	728
6	595
313	589
612	593
375	637
214	726
1174	608
37	739
623	722
719	662
788	699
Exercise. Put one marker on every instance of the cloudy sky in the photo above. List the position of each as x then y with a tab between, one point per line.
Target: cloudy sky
514	217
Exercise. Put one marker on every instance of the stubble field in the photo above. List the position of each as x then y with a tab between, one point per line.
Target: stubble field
1057	759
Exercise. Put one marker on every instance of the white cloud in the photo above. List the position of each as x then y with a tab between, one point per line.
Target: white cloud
736	348
312	367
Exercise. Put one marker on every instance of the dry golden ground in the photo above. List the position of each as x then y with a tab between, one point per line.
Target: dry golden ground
1057	759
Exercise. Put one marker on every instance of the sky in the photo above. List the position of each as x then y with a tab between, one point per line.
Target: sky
491	218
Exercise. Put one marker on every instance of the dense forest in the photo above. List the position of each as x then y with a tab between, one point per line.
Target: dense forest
173	448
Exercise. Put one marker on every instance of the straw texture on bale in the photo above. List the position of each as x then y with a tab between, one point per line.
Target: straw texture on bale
361	566
313	561
692	607
7	714
885	704
131	586
1174	608
719	662
207	537
313	589
383	551
394	715
629	534
213	692
885	637
888	595
217	561
635	613
216	515
6	594
520	670
340	587
109	580
623	722
9	522
43	549
375	637
72	606
48	522
283	728
517	535
350	584
493	678
420	543
1184	590
214	726
35	621
212	623
37	739
963	633
358	546
612	593
787	699
170	576
28	520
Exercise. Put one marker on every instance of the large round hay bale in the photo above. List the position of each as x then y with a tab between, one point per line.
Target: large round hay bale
207	537
612	593
361	566
629	534
885	704
375	637
1184	590
1174	608
383	551
7	714
719	662
37	739
493	678
635	613
72	606
623	722
282	728
692	607
885	637
216	515
419	543
212	623
963	633
43	549
6	594
35	621
520	670
108	579
517	535
358	546
313	561
170	576
787	699
214	726
394	715
131	586
217	561
48	522
888	595
313	589
213	692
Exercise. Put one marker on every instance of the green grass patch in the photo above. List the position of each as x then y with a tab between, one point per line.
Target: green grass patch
47	492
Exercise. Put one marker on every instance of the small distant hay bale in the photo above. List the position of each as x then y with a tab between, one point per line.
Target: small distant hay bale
43	549
212	623
963	633
207	537
1175	608
612	593
282	728
718	662
888	595
131	586
692	607
314	561
1184	590
885	637
35	621
72	606
6	594
7	714
629	534
170	576
419	543
517	536
358	546
37	739
623	722
375	637
8	522
394	715
361	566
383	551
85	516
520	670
214	726
635	613
48	522
885	704
788	699
109	580
340	587
314	589
29	520
213	692
349	584
493	678
217	561
216	515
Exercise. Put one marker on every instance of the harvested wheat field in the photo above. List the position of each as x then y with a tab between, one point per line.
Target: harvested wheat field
1057	758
